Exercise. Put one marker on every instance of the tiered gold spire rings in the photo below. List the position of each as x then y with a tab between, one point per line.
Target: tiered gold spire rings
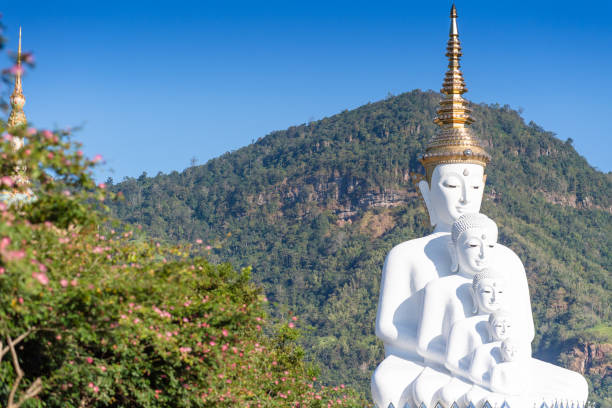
455	142
17	116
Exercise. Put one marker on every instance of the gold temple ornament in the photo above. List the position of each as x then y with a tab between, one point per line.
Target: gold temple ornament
17	116
455	142
21	193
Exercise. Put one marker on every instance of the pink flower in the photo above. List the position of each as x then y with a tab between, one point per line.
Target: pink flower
64	283
14	255
103	368
89	360
97	158
208	247
225	333
47	134
7	181
50	155
41	277
291	325
31	131
102	186
2	271
73	282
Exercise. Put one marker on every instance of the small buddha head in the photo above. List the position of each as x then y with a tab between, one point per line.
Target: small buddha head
452	189
512	350
488	291
473	238
500	325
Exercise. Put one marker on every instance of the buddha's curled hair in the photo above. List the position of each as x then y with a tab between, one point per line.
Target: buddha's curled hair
489	273
469	221
499	315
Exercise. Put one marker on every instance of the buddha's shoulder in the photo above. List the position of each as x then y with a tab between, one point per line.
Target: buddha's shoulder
507	254
417	246
469	324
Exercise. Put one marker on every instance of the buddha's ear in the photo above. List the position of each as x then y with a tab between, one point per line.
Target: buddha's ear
452	250
474	301
425	194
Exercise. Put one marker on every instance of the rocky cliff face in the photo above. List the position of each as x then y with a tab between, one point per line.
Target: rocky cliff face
591	359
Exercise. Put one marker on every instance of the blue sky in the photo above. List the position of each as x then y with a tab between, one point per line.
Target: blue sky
157	83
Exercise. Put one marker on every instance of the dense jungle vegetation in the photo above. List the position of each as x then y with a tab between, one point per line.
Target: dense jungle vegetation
315	208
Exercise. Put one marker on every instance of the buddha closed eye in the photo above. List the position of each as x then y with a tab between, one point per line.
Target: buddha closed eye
511	350
500	326
451	192
488	290
473	236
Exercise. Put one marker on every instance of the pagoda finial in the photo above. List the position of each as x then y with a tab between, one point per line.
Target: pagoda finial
453	16
455	142
19	48
17	116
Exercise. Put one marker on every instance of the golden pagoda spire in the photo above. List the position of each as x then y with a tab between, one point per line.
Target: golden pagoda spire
17	116
455	142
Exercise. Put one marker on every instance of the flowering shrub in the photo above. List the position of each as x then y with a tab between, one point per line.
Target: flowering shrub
102	317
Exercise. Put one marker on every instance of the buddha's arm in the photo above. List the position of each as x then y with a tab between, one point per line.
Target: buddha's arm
430	324
395	288
456	344
481	363
476	365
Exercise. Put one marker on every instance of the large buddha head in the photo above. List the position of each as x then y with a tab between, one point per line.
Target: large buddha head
454	159
488	291
473	238
453	190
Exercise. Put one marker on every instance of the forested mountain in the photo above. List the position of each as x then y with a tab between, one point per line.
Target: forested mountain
315	208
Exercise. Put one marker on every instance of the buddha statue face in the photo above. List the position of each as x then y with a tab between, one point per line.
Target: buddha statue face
473	249
488	291
500	326
489	295
511	350
455	189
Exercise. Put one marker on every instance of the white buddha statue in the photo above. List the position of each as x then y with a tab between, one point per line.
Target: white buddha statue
488	355
511	376
454	164
488	292
413	367
449	299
